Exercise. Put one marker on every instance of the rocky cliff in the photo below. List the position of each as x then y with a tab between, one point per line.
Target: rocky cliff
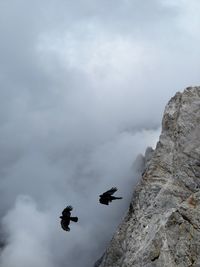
162	226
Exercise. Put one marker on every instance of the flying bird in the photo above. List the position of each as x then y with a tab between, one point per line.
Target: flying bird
107	196
66	218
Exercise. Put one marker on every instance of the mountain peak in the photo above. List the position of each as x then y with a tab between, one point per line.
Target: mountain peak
162	226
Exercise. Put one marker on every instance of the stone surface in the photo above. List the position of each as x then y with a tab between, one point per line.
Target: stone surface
162	226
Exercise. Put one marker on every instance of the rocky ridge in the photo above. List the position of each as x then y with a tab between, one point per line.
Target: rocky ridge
162	226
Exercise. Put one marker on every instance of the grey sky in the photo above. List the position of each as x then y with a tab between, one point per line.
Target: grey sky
83	85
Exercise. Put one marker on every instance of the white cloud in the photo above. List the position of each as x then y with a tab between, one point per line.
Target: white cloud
83	88
28	236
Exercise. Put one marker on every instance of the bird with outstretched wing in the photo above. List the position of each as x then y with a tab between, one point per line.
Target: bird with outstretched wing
108	197
66	218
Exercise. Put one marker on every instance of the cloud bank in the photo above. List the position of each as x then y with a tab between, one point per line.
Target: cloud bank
83	86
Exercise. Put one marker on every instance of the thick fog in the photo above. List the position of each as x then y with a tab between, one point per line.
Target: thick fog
83	86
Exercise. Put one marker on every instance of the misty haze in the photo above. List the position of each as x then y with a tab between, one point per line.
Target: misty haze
83	86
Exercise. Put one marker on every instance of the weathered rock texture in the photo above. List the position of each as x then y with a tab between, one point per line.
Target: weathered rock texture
162	227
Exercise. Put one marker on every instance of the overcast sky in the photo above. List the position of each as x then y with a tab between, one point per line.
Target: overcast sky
83	86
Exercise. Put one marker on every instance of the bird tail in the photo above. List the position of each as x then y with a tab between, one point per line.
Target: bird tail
118	197
74	219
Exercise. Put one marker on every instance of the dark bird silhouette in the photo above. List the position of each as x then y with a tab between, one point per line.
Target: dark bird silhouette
107	197
66	218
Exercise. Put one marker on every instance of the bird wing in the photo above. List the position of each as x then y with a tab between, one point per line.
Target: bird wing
65	225
67	211
110	192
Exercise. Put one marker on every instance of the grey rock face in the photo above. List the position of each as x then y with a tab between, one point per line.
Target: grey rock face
162	227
